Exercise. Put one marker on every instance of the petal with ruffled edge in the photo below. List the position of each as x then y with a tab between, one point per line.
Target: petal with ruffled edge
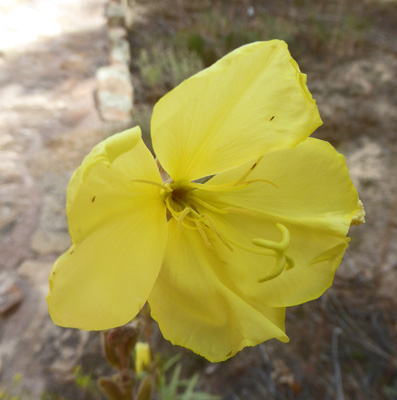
196	305
252	101
314	198
308	185
119	231
316	255
105	179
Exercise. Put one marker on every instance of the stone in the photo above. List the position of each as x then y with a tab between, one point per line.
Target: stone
120	52
37	273
117	33
51	236
115	94
115	14
10	295
45	243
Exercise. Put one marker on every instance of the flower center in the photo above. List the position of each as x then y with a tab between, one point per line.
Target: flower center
179	204
191	212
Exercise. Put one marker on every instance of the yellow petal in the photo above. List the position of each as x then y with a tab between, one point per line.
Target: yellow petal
105	152
308	185
315	253
103	186
197	305
309	191
252	101
118	229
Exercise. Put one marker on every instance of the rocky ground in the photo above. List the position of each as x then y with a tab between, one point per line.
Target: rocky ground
49	55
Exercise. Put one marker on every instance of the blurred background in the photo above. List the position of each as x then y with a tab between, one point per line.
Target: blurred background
72	72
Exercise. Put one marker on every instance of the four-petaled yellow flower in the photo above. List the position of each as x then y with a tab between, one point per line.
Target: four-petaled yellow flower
250	217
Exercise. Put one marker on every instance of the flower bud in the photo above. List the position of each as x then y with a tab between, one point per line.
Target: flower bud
142	356
111	389
145	389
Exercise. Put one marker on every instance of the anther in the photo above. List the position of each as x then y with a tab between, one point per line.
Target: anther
203	234
247	173
184	213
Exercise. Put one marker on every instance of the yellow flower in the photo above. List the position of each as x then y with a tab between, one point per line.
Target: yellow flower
251	219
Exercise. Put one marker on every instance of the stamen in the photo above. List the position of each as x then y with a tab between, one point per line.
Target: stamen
171	209
185	206
213	228
247	173
182	216
209	206
261	180
236	210
186	226
191	210
229	187
167	203
226	187
203	235
224	210
164	187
